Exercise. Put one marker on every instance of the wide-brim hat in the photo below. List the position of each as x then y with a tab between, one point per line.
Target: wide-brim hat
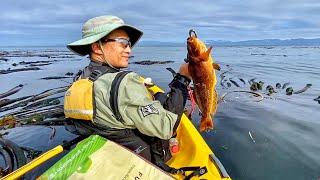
96	28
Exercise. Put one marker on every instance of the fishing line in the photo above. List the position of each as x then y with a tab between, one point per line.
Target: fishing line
243	91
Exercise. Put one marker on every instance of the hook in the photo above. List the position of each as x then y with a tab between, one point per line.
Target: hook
194	33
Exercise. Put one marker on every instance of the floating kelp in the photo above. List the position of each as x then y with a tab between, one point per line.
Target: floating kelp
61	56
56	77
256	94
40	64
4	102
285	85
69	74
35	98
270	90
251	81
243	81
234	82
149	62
254	86
260	85
223	81
4	53
11	91
222	75
303	89
19	69
44	103
7	122
31	116
289	91
33	62
255	54
43	54
29	112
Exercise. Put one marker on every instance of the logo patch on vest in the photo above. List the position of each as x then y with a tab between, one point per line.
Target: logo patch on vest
148	109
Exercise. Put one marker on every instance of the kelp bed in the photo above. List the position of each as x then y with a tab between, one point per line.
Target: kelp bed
32	109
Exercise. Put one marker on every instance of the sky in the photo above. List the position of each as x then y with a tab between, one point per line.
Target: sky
58	22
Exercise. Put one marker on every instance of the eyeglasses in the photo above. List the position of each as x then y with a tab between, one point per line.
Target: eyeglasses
123	41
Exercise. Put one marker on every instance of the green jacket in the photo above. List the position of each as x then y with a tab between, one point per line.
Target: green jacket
136	107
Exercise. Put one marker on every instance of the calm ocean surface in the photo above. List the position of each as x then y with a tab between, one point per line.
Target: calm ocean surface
276	138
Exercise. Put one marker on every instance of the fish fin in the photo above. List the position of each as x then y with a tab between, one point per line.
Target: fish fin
215	103
205	56
206	123
216	66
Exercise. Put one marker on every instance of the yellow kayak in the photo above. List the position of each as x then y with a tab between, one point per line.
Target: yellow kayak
98	158
194	151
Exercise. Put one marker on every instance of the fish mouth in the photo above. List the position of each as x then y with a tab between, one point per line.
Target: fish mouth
191	46
190	40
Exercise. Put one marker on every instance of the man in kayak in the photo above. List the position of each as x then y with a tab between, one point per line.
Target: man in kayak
139	118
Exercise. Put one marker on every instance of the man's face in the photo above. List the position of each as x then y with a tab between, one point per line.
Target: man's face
117	53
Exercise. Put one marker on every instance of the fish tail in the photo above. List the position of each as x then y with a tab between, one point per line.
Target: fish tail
206	123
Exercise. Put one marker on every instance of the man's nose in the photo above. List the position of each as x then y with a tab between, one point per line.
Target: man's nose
127	49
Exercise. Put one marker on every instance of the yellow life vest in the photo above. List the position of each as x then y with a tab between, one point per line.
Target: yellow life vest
78	100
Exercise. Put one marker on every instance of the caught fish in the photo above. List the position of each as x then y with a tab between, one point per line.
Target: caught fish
202	70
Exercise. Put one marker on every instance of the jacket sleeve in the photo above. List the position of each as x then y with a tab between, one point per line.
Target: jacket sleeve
175	100
137	105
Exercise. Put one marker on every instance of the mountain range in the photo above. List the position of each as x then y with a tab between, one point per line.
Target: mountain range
262	42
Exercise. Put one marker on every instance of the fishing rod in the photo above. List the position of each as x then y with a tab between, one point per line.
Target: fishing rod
42	158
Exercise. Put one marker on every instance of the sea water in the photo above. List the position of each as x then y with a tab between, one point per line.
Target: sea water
276	138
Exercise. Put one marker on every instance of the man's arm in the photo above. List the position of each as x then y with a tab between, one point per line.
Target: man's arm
175	100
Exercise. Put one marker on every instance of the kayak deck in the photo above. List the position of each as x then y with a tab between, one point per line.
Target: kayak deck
194	151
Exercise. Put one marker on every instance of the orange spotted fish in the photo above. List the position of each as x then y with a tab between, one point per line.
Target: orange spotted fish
202	70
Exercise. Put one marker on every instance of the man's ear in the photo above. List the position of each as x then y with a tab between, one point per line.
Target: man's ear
95	48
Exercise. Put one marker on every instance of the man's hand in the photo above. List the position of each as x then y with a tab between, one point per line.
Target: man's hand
184	70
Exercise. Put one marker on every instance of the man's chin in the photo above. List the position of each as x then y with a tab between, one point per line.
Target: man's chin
124	65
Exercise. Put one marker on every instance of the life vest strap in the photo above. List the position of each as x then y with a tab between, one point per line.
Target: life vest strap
114	93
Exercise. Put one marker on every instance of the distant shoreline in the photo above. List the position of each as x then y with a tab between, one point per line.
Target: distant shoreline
219	43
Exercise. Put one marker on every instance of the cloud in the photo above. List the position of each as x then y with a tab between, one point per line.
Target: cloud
163	20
